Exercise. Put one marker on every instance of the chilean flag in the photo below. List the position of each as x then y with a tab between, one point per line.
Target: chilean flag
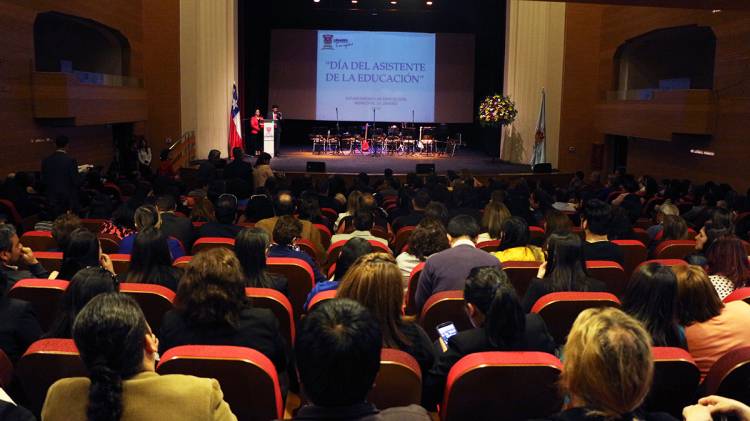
235	123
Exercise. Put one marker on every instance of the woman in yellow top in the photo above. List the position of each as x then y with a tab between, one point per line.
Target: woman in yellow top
514	243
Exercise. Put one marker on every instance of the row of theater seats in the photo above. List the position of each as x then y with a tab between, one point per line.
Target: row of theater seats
519	385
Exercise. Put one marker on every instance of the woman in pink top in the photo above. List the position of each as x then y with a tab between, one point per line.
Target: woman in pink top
711	327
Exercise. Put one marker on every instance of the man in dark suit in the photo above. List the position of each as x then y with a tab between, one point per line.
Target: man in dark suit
338	356
275	114
226	214
173	225
13	254
448	269
239	168
60	178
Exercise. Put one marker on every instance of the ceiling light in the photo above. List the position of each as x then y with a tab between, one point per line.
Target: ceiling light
355	1
429	3
394	2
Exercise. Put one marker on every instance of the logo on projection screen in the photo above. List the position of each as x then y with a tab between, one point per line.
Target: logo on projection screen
331	43
328	42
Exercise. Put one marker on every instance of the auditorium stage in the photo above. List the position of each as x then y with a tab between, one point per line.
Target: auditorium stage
294	159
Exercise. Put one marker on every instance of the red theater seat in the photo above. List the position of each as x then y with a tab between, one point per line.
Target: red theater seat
45	362
320	297
674	249
329	213
446	306
560	309
611	273
154	300
675	382
110	244
182	262
641	235
402	238
279	306
738	294
399	381
536	234
299	276
247	377
38	240
207	243
730	376
325	235
308	247
502	385
333	252
51	260
490	246
120	263
520	274
411	291
635	253
44	296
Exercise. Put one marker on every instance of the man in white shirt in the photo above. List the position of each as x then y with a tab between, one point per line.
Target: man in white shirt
363	223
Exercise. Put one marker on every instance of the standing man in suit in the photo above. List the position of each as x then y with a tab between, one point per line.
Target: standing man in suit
60	178
275	114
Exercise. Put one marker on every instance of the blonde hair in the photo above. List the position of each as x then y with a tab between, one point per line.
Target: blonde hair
697	300
608	363
495	213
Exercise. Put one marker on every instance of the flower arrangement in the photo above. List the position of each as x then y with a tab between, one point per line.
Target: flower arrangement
497	110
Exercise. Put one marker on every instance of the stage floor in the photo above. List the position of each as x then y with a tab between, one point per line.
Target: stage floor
294	159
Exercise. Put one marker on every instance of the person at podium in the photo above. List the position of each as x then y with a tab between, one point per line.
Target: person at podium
255	142
276	116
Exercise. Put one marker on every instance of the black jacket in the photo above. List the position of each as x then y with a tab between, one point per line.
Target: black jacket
60	178
178	227
535	338
18	327
217	229
580	414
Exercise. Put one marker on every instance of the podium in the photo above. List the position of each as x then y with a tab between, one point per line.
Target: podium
269	132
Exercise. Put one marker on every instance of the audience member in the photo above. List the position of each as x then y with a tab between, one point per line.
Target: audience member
368	204
83	250
151	262
564	270
61	179
120	353
437	210
238	168
211	309
663	210
173	225
207	169
651	298
429	237
556	222
418	203
495	213
620	226
121	224
226	216
85	285
448	269
672	228
262	171
595	222
285	233
13	254
363	224
352	206
338	356
203	210
728	265
375	282
629	200
62	226
147	216
608	368
284	206
352	250
251	247
18	325
309	210
515	243
712	328
500	325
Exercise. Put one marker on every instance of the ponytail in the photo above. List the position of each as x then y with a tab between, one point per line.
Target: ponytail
105	394
505	320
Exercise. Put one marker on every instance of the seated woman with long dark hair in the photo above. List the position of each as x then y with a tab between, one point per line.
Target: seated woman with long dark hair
515	243
565	270
83	250
211	309
375	282
651	297
499	325
251	246
119	351
85	285
151	262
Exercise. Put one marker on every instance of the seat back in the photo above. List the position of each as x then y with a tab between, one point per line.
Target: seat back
109	243
446	306
155	301
308	247
332	254
120	263
536	234
377	247
399	381
6	370
411	291
402	238
182	262
611	273
730	376
325	235
674	249
663	262
635	253
248	378
299	276
38	240
738	294
560	309
320	297
92	224
329	213
279	306
45	362
507	385
675	382
520	274
207	243
641	235
490	246
51	260
43	294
